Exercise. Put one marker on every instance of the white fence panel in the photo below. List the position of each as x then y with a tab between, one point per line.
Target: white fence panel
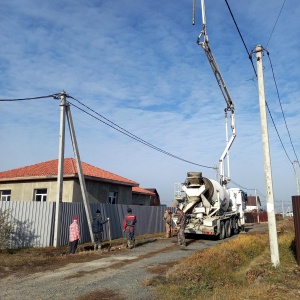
34	221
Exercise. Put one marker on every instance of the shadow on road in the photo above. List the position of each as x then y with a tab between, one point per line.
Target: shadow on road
141	243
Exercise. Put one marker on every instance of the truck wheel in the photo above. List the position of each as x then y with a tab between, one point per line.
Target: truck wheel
235	226
227	229
222	231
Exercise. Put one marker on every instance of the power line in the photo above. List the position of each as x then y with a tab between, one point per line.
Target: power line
281	106
250	55
269	111
275	24
31	98
242	187
278	133
248	52
129	134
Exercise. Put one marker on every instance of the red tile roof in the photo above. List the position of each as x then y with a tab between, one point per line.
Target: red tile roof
138	190
50	168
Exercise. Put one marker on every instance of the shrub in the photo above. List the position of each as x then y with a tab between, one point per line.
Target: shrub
6	229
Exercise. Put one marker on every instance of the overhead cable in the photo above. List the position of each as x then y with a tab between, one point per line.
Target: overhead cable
129	134
250	57
281	105
31	98
244	188
248	52
275	24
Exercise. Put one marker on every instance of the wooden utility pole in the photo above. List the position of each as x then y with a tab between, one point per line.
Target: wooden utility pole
60	173
267	160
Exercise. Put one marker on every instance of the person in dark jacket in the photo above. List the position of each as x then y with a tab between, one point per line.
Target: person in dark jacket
181	223
129	226
97	228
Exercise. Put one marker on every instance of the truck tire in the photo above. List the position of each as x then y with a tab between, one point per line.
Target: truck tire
235	226
227	229
222	231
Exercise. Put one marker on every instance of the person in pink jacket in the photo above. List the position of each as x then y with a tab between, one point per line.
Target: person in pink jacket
74	235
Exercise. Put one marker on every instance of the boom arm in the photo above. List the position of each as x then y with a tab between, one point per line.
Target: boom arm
230	106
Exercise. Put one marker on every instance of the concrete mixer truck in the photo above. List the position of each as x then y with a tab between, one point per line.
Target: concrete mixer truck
211	209
209	206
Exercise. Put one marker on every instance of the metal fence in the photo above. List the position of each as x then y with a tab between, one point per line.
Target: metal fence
33	222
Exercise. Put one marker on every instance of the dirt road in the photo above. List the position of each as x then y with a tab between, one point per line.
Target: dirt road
119	275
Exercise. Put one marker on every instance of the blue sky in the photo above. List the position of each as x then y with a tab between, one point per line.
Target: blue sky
137	63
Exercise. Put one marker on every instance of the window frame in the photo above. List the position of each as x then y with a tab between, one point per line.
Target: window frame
40	193
5	196
112	197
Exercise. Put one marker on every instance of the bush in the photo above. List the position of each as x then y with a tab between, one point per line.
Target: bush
6	229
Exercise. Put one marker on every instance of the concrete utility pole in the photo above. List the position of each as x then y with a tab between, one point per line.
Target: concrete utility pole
297	177
267	161
60	174
65	111
80	172
257	209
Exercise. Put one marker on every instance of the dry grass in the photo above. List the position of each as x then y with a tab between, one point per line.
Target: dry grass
31	260
101	294
237	269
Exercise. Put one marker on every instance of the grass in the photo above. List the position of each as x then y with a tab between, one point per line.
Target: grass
237	269
30	260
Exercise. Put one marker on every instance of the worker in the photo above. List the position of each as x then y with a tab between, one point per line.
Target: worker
168	220
97	228
129	226
181	223
74	235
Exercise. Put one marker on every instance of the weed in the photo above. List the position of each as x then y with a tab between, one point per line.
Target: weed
236	269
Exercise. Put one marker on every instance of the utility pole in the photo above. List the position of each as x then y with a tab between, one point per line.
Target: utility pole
257	209
80	172
60	173
216	173
267	161
297	177
282	208
65	111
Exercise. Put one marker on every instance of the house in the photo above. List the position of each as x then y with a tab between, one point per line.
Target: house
141	196
38	182
251	203
154	199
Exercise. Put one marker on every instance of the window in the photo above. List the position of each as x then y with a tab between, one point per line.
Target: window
5	195
40	195
113	198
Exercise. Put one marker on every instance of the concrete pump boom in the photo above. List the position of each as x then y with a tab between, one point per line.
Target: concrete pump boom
203	42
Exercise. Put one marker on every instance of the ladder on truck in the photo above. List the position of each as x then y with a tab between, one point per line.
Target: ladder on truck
178	196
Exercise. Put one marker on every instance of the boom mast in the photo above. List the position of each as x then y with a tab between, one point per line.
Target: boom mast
202	40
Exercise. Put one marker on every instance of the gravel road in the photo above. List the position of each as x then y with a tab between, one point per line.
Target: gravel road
124	273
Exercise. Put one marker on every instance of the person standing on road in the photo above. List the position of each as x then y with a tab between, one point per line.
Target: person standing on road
181	223
97	228
129	226
74	235
168	221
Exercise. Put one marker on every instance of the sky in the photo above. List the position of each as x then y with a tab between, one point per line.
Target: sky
137	64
